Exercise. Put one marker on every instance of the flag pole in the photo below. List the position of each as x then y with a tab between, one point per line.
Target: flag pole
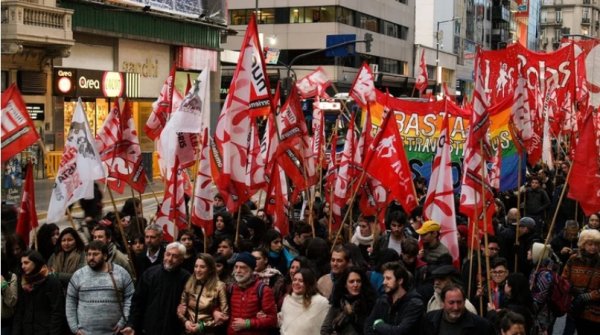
479	276
360	180
471	259
343	102
330	214
153	193
120	225
485	223
35	240
237	226
562	195
519	180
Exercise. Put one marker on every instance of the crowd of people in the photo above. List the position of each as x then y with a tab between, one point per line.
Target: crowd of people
398	281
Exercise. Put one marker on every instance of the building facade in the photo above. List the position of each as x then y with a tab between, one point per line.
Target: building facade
559	18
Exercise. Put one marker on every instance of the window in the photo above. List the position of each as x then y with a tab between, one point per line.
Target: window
586	13
345	16
297	15
328	14
403	67
240	16
266	16
388	65
389	29
558	16
368	22
403	33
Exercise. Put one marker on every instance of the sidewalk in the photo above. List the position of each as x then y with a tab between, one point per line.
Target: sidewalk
43	192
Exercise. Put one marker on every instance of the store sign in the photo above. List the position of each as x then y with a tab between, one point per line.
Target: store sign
113	84
88	83
36	111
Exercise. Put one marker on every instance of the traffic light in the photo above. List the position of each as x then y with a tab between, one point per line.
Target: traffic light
368	40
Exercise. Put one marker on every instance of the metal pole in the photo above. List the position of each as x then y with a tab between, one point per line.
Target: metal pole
438	71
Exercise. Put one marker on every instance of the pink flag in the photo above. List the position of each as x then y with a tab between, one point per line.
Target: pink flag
439	203
314	84
202	215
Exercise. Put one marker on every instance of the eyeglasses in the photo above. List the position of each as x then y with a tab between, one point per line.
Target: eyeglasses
500	272
494	249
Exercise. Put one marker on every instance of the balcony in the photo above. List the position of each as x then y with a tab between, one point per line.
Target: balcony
586	21
32	23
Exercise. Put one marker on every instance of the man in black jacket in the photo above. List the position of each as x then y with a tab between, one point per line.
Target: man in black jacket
399	311
454	318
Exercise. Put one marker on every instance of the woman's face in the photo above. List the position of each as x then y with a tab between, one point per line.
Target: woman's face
67	243
261	262
27	265
219	267
515	329
276	245
353	284
365	228
591	247
200	269
499	274
187	242
594	221
298	284
137	246
220	224
54	236
294	267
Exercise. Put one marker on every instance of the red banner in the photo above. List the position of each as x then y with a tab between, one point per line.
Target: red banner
18	131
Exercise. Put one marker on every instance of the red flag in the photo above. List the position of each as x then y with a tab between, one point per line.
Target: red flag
422	80
18	131
161	108
172	213
314	84
119	149
439	203
363	87
277	200
202	215
584	180
27	219
520	123
473	198
386	161
318	138
332	169
364	142
344	175
249	96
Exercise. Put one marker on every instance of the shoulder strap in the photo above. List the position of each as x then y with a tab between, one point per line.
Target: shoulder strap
117	292
260	288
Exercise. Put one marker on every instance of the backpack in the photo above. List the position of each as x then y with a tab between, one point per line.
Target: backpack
260	288
560	297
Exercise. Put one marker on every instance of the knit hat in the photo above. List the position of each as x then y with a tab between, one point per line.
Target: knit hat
246	258
527	222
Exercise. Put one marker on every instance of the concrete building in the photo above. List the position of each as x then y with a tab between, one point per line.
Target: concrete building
567	17
295	27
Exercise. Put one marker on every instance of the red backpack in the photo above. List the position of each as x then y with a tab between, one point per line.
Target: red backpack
560	296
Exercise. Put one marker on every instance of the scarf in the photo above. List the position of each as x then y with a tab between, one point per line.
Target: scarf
67	262
31	281
357	238
266	274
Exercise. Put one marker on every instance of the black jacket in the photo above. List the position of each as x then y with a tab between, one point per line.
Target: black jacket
41	311
154	304
142	262
470	324
401	317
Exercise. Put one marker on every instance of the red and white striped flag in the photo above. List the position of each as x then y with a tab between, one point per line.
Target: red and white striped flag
363	87
277	199
18	131
314	84
202	214
172	213
439	203
344	176
161	108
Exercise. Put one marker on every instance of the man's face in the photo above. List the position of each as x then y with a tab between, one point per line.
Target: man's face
428	238
493	249
95	259
390	284
535	184
499	274
301	238
365	228
172	259
571	233
100	235
152	239
241	272
594	221
454	305
225	249
439	283
396	229
261	262
338	262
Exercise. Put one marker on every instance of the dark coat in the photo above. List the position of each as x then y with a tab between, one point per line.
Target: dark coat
401	317
41	311
154	304
142	262
470	324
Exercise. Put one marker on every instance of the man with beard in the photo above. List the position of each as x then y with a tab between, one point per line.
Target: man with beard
104	234
157	295
252	304
99	295
154	252
399	311
442	276
454	318
340	260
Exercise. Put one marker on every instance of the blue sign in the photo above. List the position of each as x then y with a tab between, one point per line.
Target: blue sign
342	51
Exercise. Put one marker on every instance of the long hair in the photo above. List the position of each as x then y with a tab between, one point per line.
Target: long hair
367	293
44	239
310	285
520	293
79	245
211	275
129	207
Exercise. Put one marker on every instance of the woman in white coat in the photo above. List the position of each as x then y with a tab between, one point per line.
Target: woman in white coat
303	310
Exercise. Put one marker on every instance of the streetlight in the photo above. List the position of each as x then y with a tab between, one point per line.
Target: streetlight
438	69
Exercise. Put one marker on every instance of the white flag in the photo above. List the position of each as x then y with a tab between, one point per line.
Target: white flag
79	167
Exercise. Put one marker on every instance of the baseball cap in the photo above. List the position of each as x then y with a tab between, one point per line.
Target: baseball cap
428	227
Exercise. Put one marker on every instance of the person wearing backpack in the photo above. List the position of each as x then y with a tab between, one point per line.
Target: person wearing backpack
583	271
542	283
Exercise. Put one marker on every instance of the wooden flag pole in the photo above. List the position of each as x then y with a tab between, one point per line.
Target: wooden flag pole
469	224
485	232
549	235
237	226
153	193
120	225
360	180
70	218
